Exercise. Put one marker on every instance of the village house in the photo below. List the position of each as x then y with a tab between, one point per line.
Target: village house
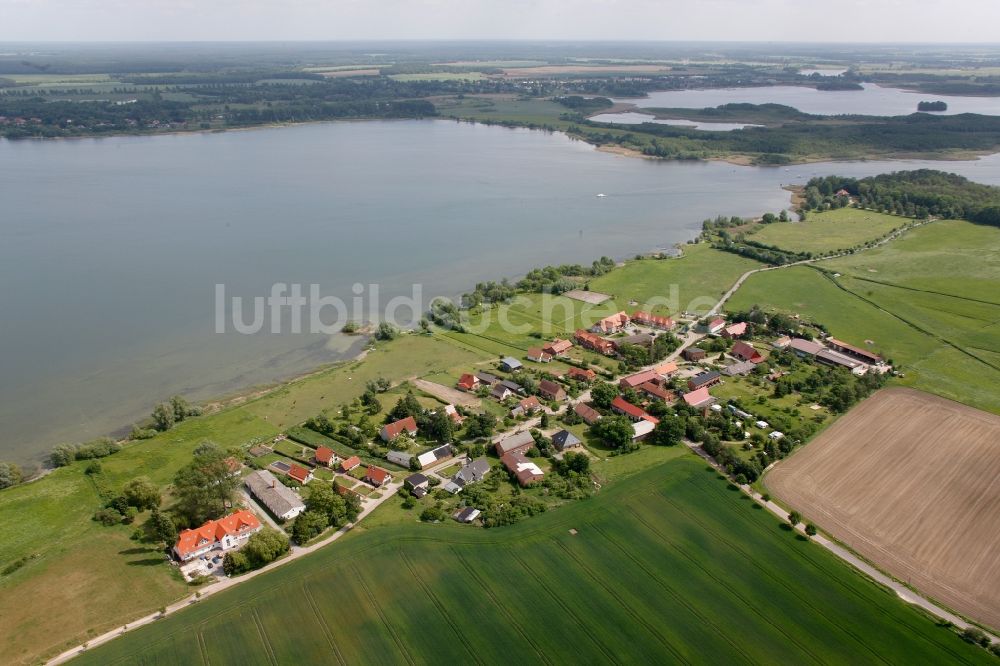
223	534
655	391
487	378
699	398
782	342
377	476
325	456
704	380
518	441
524	470
653	321
539	355
292	471
581	375
351	463
280	500
525	407
712	326
453	414
391	431
468	382
594	343
735	330
589	415
746	352
622	406
500	392
510	364
739	369
611	324
417	484
557	347
473	472
666	369
551	390
638	379
435	455
564	440
694	354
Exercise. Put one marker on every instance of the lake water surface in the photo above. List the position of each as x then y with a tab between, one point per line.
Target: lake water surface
111	248
872	101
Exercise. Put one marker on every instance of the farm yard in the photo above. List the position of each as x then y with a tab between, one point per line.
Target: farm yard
709	577
910	481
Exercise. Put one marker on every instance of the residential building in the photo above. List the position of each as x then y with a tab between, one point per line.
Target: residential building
473	472
564	440
301	474
704	380
510	364
518	441
500	392
525	407
468	382
611	324
746	352
653	321
551	390
694	354
699	398
349	464
715	325
539	355
391	431
655	391
639	378
283	502
557	347
453	414
325	456
735	330
594	343
415	481
581	375
589	415
739	369
377	476
525	470
223	534
621	406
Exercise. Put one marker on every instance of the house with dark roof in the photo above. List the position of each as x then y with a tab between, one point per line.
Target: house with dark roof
564	440
739	369
466	515
391	431
704	380
487	378
473	472
551	390
415	481
693	354
435	455
500	392
589	415
518	441
510	364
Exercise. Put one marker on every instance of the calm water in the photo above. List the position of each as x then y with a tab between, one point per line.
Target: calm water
111	248
633	118
872	101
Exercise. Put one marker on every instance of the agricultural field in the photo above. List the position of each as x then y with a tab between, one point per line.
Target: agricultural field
53	602
823	233
909	481
708	579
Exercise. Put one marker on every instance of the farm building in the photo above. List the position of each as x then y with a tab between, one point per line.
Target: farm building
611	324
622	406
436	455
223	534
693	354
589	415
280	500
551	390
518	441
401	458
639	378
473	472
466	515
525	470
557	347
350	463
739	369
564	439
377	476
804	348
704	380
836	359
393	430
539	355
510	364
581	375
641	430
594	343
735	330
699	398
653	321
746	352
858	353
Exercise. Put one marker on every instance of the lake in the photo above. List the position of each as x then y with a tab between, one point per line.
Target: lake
872	101
112	247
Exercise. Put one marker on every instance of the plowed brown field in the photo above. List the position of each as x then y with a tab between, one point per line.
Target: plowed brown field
910	481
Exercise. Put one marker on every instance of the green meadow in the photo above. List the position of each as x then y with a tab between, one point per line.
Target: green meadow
822	233
672	567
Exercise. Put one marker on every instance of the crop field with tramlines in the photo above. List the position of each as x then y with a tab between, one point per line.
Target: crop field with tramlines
672	566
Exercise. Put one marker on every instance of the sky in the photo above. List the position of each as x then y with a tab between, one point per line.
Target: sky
960	21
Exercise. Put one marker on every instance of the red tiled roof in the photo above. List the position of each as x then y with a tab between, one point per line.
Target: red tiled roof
736	329
622	405
697	397
587	413
656	391
213	531
393	430
377	475
324	455
613	322
638	378
468	382
535	352
652	320
666	368
298	472
579	373
557	346
350	463
530	403
745	352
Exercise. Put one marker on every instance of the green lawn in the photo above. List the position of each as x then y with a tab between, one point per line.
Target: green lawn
827	232
670	567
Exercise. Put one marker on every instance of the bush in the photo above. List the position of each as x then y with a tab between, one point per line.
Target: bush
976	636
108	517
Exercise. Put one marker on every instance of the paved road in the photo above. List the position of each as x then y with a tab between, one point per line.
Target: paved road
369	505
902	591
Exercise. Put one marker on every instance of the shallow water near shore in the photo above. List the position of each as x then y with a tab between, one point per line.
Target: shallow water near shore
112	248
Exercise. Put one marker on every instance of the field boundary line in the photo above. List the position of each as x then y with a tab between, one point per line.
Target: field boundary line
381	615
203	648
307	593
618	598
562	604
756	564
263	636
441	609
503	609
923	291
673	593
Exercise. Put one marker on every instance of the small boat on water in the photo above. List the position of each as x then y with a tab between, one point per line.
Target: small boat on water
601	195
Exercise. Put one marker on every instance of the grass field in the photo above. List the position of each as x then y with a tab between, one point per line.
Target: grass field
908	480
827	232
927	301
87	577
672	567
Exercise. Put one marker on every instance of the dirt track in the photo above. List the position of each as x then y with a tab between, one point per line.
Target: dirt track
910	481
446	393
